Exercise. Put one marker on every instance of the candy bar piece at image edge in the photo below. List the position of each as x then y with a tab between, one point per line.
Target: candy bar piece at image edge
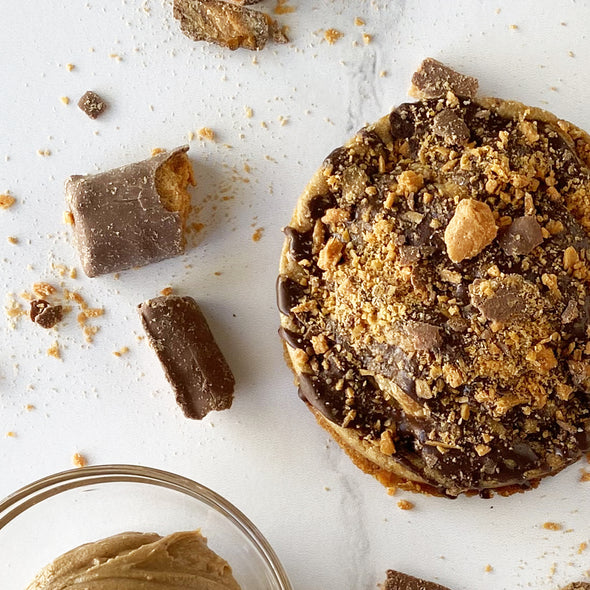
399	581
133	215
195	367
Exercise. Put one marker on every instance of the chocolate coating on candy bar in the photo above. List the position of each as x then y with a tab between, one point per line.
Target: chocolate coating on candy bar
399	581
577	586
120	220
195	367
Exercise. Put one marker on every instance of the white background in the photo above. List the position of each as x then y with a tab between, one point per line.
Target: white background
332	526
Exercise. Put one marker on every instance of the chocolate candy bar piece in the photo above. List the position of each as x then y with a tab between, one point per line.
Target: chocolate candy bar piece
195	367
133	215
433	79
92	104
226	24
45	314
398	581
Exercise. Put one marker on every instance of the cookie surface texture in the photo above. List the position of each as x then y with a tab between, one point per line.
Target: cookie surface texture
434	295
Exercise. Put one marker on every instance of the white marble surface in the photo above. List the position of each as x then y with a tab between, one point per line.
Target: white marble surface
332	526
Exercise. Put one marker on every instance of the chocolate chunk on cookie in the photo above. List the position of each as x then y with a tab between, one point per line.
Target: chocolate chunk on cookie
133	215
434	79
398	581
195	367
227	24
434	295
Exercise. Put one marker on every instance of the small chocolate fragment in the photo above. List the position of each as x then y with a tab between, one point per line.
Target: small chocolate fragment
451	127
570	313
522	236
398	581
503	299
577	586
92	104
425	336
226	24
195	367
45	314
133	215
433	80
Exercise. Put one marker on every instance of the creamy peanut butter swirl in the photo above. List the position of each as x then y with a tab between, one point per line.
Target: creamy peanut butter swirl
139	561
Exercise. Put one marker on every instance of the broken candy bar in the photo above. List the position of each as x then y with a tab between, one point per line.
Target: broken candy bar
228	25
398	581
45	314
92	105
433	79
195	367
132	215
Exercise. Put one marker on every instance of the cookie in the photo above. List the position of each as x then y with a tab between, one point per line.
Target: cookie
434	295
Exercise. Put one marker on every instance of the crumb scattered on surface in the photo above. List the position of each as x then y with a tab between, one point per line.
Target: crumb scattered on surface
54	350
585	475
257	235
44	153
358	21
70	67
283	8
582	547
206	133
367	38
12	239
11	434
6	201
43	289
332	35
65	99
29	407
552	526
68	218
123	350
488	568
405	505
391	491
79	460
248	112
513	27
166	291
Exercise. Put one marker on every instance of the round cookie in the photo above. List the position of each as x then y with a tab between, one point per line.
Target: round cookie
434	295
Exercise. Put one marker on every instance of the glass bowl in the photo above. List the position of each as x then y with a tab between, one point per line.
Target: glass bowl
60	512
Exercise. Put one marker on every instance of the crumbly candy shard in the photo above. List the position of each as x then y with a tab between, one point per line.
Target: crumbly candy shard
92	105
470	230
45	314
433	79
400	581
226	24
194	365
133	215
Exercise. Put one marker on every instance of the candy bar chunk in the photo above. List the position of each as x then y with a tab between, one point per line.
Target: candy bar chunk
398	581
45	314
133	215
433	79
226	24
577	586
195	367
92	105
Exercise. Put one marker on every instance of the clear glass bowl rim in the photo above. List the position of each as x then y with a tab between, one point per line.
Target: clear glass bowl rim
51	485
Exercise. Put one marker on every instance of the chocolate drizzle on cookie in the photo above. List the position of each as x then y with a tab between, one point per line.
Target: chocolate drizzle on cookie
438	291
